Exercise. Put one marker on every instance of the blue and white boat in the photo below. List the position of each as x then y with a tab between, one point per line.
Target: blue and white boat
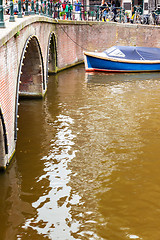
123	59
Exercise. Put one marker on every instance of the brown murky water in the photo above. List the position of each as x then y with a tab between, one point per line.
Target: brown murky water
87	162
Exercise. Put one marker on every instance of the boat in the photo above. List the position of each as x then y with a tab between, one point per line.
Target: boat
123	59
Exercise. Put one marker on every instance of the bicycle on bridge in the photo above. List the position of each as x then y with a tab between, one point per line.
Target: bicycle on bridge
152	18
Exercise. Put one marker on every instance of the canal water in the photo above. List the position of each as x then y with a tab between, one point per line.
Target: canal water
87	163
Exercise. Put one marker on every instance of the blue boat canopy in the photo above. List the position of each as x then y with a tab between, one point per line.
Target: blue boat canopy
133	53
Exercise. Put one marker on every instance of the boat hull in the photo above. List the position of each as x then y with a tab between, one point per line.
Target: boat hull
94	63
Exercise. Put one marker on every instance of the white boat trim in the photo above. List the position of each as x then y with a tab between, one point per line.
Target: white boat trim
101	56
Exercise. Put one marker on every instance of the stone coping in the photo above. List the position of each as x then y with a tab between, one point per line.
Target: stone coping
11	28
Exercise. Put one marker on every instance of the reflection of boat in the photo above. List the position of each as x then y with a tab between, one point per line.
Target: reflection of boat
123	59
100	78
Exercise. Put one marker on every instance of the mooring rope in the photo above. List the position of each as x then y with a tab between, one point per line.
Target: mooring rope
70	37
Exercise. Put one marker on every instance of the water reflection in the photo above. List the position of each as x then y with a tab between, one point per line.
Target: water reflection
87	160
114	78
52	212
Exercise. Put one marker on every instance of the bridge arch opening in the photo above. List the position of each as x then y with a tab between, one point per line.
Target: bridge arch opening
52	54
32	82
3	142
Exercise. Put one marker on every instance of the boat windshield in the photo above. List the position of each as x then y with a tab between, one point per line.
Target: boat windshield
133	53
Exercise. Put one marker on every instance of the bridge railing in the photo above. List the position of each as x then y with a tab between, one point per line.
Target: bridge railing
54	10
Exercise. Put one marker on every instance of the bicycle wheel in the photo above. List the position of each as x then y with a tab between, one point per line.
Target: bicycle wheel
135	19
139	19
158	19
151	20
110	16
145	20
120	18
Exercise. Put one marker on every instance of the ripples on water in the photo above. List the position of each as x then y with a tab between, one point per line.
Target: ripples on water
87	161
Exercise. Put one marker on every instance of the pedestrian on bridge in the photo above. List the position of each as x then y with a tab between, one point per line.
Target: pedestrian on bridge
68	10
114	10
77	8
104	9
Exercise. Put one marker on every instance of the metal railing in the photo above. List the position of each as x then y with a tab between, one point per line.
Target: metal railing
52	10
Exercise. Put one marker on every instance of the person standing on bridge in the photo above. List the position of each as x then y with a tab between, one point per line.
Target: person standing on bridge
114	10
77	8
68	10
104	10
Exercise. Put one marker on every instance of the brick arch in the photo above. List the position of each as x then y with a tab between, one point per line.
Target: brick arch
31	80
52	54
31	71
3	141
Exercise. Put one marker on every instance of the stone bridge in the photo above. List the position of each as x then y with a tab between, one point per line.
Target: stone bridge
33	46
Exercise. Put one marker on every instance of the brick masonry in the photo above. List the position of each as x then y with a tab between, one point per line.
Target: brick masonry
71	39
